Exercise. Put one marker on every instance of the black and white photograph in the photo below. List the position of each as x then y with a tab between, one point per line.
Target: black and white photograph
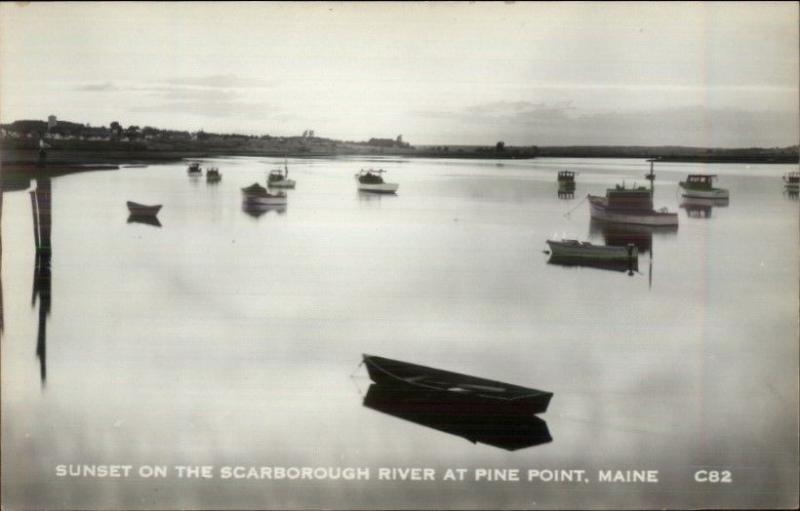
399	255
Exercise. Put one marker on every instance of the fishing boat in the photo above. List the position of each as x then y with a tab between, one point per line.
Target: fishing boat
372	181
792	181
699	186
194	169
279	178
483	395
456	416
257	194
566	180
630	206
213	175
142	210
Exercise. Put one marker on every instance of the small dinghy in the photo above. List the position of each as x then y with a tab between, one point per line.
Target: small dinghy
487	396
136	209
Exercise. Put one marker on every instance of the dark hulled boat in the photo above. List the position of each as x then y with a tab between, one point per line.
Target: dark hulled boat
141	210
479	394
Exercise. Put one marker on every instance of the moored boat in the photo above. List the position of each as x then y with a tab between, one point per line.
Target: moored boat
194	169
700	186
566	180
213	175
487	395
372	181
585	250
792	181
278	178
136	209
257	194
630	206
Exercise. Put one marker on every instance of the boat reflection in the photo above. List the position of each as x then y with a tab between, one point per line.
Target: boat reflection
452	414
41	208
791	194
566	194
702	207
257	210
620	235
630	266
144	219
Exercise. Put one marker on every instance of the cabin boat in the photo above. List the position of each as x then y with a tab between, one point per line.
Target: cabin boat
194	169
699	186
566	180
278	178
213	175
372	181
142	210
453	415
792	181
482	394
630	206
257	194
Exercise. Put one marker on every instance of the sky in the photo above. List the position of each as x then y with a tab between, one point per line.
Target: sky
694	74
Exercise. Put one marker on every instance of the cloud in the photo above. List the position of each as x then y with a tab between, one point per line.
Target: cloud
97	87
220	81
526	123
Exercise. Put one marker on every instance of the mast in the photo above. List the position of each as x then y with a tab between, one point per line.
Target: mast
651	177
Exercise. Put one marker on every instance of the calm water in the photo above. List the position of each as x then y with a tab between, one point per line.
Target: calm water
228	338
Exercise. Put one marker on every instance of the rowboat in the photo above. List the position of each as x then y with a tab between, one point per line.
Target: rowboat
137	209
586	250
458	416
487	396
257	194
699	186
372	181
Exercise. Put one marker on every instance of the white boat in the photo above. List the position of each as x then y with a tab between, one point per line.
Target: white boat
257	194
630	206
372	181
278	178
575	249
699	186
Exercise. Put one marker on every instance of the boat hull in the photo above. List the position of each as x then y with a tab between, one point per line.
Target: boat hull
482	395
592	252
141	210
378	188
714	193
286	183
266	201
599	211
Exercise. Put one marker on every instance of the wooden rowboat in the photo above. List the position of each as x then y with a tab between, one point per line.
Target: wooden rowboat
486	396
137	209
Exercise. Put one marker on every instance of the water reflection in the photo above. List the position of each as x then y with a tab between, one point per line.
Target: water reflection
620	235
702	208
256	210
566	194
791	194
445	412
41	208
144	219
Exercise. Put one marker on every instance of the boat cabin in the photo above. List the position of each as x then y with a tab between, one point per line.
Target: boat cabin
699	181
566	175
792	177
370	176
629	200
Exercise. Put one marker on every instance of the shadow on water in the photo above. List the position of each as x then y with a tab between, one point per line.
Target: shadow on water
41	207
450	414
701	208
144	219
258	210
